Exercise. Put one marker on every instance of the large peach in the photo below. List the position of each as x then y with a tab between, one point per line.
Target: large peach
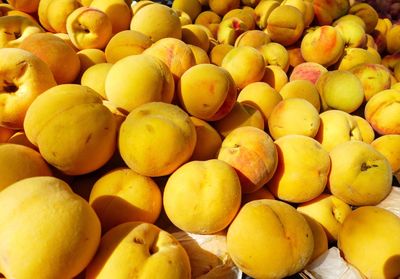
72	128
14	29
323	45
53	14
293	116
139	79
352	33
292	174
307	71
354	56
304	89
275	76
270	239
275	54
360	175
246	65
24	76
382	112
375	232
209	19
207	91
253	38
252	153
118	11
52	49
156	138
230	29
262	12
245	15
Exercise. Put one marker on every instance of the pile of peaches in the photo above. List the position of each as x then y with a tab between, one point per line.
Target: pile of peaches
203	140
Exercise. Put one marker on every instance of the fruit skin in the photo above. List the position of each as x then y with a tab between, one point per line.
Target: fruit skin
367	13
370	240
360	175
72	128
122	195
118	11
89	57
52	49
141	250
66	229
18	162
191	7
15	28
320	239
270	239
156	138
275	54
207	91
366	131
230	29
27	6
222	7
23	77
194	188
95	77
389	146
307	71
327	210
252	153
218	53
138	79
157	21
304	89
382	112
327	11
292	173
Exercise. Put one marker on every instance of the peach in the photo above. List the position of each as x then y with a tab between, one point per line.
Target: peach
374	231
52	50
382	111
43	208
245	15
329	211
331	87
275	54
195	34
209	19
352	18
292	173
89	57
208	140
182	203
293	116
390	60
118	11
320	238
207	91
337	127
323	45
18	162
155	252
250	3
222	7
21	139
124	43
270	239
139	79
230	29
307	71
191	7
392	41
5	134
24	76
56	122
253	38
285	25
245	64
389	146
89	28
53	14
360	175
122	195
275	76
176	54
252	153
366	130
367	13
172	134
304	89
157	21
241	115
262	193
136	6
295	57
218	53
95	77
327	11
14	29
261	96
263	11
354	56
352	33
27	6
200	55
374	78
184	18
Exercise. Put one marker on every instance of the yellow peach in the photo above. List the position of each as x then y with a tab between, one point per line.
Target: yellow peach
352	33
329	211
5	134
21	139
295	56
230	29
304	89
367	13
262	193
354	56
245	15
307	71
375	232
275	76
222	7
218	53
124	43
27	6
14	29
89	57
326	11
292	173
191	7
204	183
366	130
53	14
139	79
207	91
360	175
118	11
263	11
275	54
320	238
184	18
252	153
172	134
253	38
200	55
195	34
270	239
389	146
209	19
95	77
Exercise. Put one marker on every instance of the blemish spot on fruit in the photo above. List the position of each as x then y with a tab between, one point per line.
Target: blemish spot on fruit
9	87
365	167
149	128
138	240
88	138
